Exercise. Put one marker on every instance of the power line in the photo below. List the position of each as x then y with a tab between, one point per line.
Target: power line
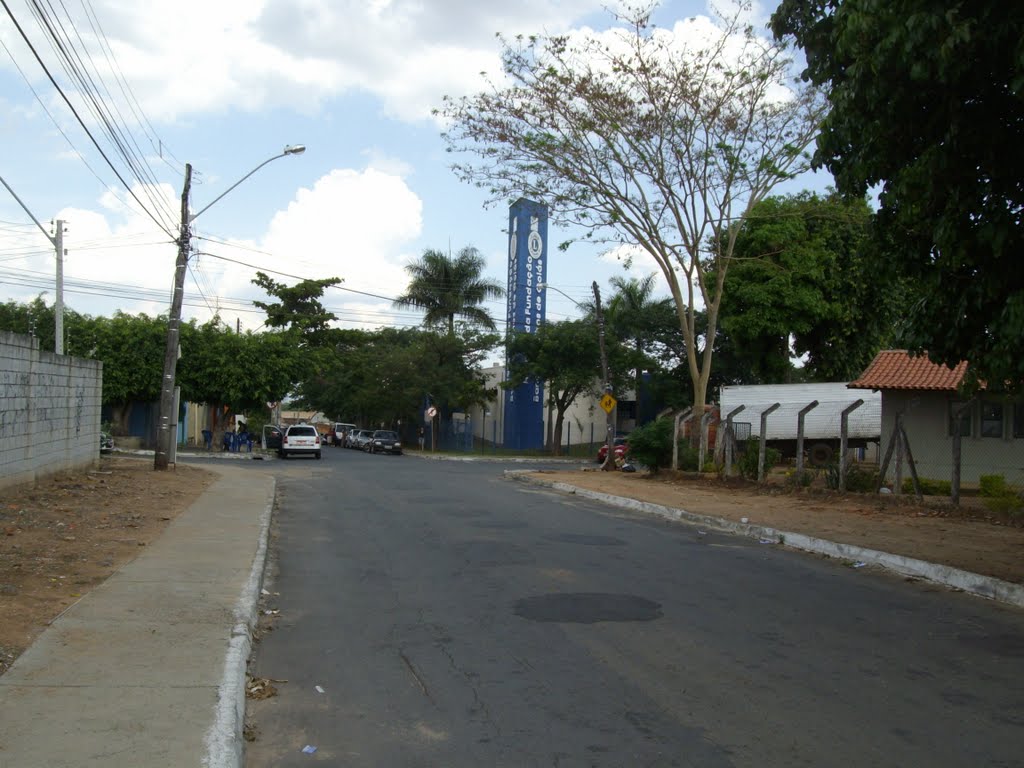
78	117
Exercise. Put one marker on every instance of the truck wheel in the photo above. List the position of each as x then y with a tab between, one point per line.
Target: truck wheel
820	454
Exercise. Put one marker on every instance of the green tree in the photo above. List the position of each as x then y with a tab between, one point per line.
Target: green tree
236	373
661	145
927	104
298	307
806	270
565	356
446	288
383	376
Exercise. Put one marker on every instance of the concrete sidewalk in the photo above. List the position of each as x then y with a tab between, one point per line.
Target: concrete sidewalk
148	669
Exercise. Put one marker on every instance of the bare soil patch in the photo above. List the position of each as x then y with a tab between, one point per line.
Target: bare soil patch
70	532
969	538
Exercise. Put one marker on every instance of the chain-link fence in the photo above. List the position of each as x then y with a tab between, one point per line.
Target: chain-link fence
921	444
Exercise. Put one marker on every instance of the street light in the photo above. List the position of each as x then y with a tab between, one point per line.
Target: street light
609	456
165	440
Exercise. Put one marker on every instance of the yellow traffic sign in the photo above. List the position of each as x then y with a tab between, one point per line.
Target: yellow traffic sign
608	403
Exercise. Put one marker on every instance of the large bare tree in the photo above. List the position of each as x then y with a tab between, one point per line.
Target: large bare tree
644	137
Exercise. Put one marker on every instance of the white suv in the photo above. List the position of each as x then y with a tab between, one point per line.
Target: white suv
300	438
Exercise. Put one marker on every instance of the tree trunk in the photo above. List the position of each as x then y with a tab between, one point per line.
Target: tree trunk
556	444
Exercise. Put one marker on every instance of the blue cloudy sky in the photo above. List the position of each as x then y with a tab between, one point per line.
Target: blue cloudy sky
224	85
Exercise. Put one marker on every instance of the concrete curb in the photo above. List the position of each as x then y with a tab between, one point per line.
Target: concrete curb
973	583
499	459
224	740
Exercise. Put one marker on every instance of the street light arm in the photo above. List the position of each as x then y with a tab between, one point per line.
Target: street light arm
296	150
53	240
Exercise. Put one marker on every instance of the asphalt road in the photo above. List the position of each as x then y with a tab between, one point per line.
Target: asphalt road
454	618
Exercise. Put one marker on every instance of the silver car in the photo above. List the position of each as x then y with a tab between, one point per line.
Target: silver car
360	438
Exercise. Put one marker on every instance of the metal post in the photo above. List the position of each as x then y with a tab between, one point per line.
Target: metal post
764	437
683	414
730	438
844	437
800	437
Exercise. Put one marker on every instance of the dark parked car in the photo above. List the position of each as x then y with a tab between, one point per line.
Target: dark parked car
384	441
272	437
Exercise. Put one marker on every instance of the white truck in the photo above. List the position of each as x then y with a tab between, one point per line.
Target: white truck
822	423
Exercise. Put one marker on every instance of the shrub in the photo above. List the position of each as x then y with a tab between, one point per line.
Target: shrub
688	456
992	486
998	497
801	479
651	446
858	479
747	462
928	487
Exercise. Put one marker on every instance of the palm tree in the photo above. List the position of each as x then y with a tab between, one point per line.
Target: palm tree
445	288
631	315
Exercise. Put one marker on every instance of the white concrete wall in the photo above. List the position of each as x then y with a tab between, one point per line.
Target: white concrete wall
925	419
49	411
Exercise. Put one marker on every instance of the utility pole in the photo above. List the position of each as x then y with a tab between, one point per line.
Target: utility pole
58	307
58	245
167	400
609	456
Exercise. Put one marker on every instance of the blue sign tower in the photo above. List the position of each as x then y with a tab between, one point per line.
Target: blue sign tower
527	267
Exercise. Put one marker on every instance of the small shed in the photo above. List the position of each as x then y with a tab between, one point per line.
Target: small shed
927	396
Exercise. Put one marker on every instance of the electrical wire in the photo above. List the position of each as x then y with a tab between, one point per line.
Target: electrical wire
81	122
104	110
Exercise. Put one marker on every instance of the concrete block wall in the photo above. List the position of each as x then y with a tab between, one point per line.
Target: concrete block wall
49	411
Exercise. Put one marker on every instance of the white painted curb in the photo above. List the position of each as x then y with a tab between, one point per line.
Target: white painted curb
224	741
973	583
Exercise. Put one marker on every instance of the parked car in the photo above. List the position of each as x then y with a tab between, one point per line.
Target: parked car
384	441
300	439
106	442
620	445
272	437
359	439
341	432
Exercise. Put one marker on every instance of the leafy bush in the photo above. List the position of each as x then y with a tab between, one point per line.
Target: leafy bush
651	446
998	497
928	487
801	479
688	456
992	486
858	479
747	461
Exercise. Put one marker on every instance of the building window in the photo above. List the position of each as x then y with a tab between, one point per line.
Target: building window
965	418
1018	420
991	419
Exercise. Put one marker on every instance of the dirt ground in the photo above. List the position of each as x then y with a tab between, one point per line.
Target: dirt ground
71	531
970	537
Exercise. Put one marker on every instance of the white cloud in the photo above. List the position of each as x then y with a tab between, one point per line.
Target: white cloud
355	225
194	57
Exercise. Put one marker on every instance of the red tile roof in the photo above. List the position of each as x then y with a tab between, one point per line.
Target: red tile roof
896	369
